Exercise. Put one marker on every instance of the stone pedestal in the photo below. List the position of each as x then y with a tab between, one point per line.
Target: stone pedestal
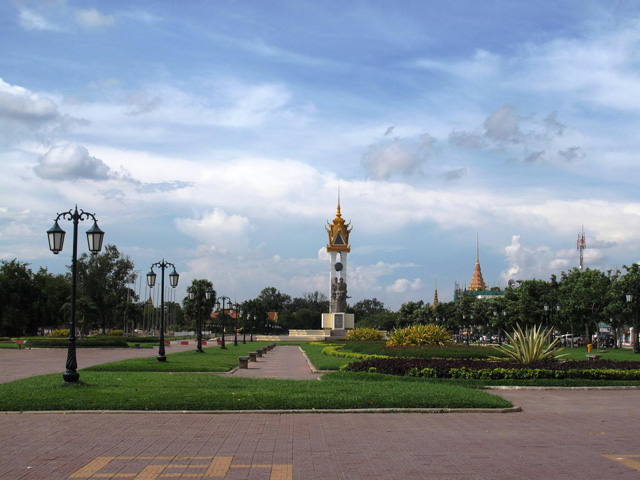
338	321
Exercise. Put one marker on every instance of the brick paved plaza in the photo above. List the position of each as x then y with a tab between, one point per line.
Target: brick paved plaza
563	434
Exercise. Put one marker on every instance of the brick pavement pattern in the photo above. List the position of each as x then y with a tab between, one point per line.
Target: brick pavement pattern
560	434
17	364
284	361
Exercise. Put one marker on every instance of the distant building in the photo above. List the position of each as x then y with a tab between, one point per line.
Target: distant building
478	288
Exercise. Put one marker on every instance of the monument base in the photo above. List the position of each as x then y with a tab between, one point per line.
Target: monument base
338	321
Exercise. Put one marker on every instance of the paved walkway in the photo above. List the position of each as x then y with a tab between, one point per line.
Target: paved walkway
560	434
284	361
24	363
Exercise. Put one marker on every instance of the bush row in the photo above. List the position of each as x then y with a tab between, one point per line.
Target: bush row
499	370
46	342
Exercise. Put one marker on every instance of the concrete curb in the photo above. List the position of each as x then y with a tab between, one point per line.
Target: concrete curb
271	412
621	387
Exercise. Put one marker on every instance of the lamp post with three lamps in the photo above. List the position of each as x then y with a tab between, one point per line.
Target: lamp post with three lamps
151	281
95	236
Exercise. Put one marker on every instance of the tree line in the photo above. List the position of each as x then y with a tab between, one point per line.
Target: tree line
32	302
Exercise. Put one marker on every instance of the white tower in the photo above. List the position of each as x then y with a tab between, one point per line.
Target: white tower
338	249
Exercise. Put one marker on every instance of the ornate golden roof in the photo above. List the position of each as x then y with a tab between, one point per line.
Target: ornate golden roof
338	233
477	282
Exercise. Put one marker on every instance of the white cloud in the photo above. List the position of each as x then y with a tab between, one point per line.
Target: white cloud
398	156
70	162
93	18
403	285
30	20
217	230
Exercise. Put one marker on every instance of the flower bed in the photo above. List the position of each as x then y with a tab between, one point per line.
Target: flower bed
498	370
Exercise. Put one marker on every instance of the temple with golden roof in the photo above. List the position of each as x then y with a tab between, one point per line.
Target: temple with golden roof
477	282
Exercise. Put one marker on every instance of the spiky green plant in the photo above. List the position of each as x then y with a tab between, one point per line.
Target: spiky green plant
532	345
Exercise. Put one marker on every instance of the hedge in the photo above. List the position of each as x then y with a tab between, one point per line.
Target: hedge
499	370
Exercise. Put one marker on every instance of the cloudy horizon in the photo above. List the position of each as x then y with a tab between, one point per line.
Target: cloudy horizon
217	136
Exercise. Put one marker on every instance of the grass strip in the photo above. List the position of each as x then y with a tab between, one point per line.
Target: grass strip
213	359
144	391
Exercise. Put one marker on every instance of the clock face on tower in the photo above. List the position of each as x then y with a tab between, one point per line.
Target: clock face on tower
338	266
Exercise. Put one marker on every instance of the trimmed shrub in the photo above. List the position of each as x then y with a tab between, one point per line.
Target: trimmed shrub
429	334
364	333
116	333
500	370
60	333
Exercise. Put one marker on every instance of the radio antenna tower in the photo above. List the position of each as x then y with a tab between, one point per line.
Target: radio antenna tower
581	246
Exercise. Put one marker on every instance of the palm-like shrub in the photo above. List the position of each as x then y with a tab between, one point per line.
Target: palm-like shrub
364	333
531	345
416	335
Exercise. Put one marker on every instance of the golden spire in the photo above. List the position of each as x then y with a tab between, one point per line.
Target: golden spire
477	282
435	296
338	232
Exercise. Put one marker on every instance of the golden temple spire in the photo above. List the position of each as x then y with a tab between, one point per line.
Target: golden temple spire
435	296
477	282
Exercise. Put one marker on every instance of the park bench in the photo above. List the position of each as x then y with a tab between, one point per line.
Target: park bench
271	346
19	343
136	345
203	342
593	356
184	342
243	362
259	352
252	356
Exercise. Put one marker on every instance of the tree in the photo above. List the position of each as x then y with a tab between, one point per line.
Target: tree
53	293
584	296
367	308
199	307
274	300
104	280
17	296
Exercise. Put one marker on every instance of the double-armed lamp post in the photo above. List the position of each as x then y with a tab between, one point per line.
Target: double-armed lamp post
632	297
151	281
95	236
224	301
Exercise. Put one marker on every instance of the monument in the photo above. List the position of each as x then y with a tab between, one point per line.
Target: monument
338	249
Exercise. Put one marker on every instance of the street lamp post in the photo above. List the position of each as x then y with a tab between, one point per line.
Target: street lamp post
95	236
224	300
244	326
235	335
632	297
192	295
151	281
253	326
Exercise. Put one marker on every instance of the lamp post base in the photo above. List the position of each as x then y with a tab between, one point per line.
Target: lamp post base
71	377
162	358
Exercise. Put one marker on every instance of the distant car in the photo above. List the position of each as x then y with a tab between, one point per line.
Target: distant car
567	339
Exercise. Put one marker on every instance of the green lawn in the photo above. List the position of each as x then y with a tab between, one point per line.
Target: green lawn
618	354
154	391
214	359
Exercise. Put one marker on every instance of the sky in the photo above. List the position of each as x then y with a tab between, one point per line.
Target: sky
217	134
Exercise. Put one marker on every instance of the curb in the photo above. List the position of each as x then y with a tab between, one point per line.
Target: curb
270	412
621	387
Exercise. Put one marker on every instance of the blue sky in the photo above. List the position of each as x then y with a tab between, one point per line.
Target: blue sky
216	135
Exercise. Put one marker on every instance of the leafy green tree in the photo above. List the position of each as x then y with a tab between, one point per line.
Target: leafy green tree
17	297
53	293
200	307
104	280
274	299
585	296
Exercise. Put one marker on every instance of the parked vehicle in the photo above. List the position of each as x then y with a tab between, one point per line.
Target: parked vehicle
567	339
